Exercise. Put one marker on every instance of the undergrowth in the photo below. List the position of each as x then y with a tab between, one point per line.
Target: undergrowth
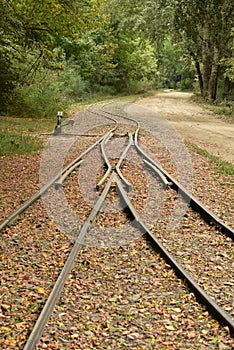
20	135
222	108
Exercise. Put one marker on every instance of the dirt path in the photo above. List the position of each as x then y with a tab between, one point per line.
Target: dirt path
194	123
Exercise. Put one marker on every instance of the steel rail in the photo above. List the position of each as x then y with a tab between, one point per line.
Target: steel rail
96	113
109	167
117	167
107	163
121	159
58	286
15	214
210	303
119	115
60	181
127	183
194	203
65	134
159	173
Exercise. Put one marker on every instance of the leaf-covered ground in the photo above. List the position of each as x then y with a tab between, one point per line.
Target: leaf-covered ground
123	297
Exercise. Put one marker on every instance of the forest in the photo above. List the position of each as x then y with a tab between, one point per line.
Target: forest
54	53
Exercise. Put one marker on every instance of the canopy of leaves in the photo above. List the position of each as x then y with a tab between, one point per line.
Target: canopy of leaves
112	45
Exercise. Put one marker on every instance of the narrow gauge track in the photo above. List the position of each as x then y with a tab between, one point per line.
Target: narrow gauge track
116	177
209	217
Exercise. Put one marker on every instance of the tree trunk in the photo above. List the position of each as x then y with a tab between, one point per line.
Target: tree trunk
198	69
214	76
227	85
207	58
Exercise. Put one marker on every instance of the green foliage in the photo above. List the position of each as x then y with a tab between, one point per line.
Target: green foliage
35	101
224	108
208	39
8	50
47	94
43	21
175	68
8	81
152	21
135	64
73	85
92	55
228	63
57	52
229	71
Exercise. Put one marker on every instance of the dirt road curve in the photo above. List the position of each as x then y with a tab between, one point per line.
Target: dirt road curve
194	123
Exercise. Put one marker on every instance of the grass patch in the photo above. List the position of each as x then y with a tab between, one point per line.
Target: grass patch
224	108
105	99
27	125
11	143
222	167
21	135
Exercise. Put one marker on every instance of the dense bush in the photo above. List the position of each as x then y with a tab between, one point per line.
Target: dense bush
45	96
35	101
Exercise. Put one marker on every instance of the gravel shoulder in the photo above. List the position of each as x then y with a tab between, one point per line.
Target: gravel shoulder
194	123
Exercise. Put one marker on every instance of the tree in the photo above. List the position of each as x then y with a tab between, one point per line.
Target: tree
205	28
33	33
152	22
202	27
10	32
136	65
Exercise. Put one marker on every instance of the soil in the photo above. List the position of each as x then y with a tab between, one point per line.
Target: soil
194	123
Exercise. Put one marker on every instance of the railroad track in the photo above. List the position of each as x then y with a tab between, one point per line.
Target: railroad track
113	177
